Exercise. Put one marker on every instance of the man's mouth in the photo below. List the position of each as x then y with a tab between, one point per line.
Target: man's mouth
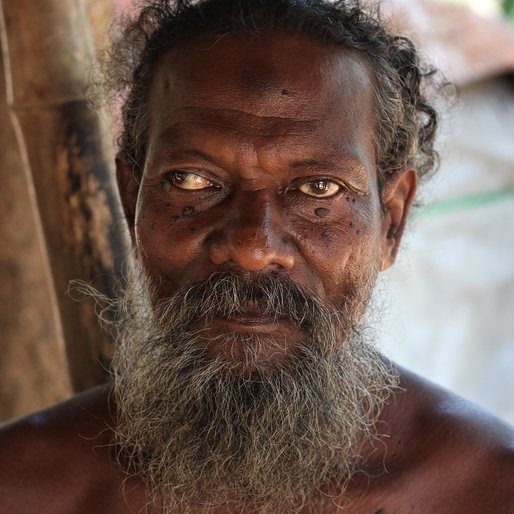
251	318
253	313
252	321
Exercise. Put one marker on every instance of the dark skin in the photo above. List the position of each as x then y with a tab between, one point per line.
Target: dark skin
261	164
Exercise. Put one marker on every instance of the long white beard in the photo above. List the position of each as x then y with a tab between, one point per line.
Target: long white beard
201	435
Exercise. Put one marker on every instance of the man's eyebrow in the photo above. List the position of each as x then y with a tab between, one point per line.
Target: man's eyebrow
196	154
340	164
165	144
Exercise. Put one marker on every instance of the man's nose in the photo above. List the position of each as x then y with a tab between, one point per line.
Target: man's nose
253	237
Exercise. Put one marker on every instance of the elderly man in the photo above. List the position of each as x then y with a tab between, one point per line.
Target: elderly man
269	157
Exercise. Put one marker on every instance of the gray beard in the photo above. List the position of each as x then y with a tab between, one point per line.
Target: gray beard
202	435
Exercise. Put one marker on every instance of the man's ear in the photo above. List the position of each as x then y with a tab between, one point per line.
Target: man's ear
128	186
397	196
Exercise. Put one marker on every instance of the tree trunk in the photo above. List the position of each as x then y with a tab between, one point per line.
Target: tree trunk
33	369
47	53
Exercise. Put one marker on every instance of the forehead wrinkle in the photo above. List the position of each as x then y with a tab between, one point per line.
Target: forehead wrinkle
231	115
174	132
236	121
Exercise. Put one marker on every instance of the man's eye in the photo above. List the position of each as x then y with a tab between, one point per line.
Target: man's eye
320	188
189	181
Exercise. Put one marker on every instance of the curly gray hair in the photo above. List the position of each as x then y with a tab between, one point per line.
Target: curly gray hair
407	122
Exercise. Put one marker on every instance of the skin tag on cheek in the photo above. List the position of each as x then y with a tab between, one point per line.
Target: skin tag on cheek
321	212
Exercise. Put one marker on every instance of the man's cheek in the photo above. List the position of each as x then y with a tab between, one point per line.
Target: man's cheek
338	251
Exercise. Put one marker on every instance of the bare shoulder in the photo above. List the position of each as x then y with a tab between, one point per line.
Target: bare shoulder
62	426
465	454
50	459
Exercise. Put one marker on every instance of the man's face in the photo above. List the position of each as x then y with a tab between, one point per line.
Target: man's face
261	158
241	372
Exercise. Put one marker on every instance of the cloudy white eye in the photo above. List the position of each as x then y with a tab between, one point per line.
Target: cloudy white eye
320	188
189	181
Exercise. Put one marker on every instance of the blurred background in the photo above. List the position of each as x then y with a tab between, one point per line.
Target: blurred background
449	298
451	293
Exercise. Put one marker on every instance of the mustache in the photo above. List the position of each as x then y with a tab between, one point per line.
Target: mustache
226	294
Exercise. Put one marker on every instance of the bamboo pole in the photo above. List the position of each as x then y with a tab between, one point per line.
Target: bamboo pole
46	51
33	368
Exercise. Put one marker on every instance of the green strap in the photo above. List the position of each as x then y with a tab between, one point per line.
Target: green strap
464	202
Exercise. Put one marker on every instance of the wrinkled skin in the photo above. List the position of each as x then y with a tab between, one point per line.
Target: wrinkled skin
252	139
263	130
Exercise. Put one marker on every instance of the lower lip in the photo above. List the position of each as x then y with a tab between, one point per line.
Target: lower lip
251	324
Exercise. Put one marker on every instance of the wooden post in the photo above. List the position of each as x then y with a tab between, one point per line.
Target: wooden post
47	52
33	368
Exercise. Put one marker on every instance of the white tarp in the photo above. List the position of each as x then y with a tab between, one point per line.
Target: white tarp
451	293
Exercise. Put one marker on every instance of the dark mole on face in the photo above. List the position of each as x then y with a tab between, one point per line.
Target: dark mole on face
189	212
285	92
322	212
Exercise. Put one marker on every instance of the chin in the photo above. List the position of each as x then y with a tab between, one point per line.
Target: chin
249	351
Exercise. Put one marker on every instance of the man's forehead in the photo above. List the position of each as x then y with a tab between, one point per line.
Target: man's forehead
276	94
275	74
